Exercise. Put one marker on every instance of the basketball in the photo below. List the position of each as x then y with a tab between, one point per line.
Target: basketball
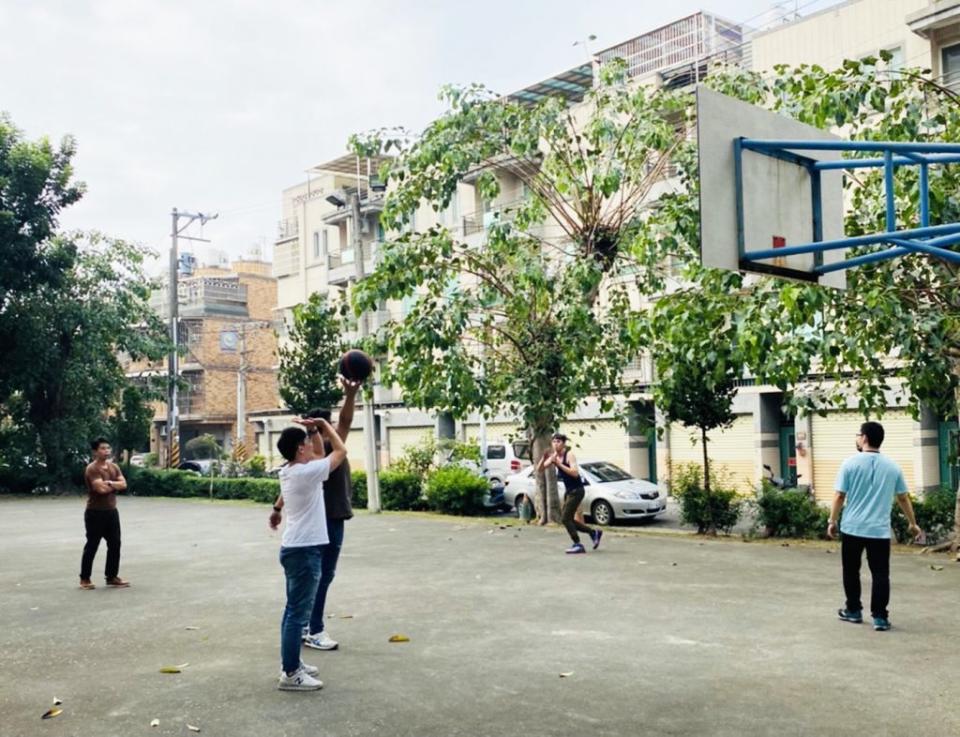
355	365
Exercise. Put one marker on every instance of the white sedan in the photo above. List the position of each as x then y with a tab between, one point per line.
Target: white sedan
611	493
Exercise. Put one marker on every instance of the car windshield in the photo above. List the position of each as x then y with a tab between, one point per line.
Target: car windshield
605	472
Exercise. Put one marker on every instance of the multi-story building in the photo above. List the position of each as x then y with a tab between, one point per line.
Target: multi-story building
226	333
311	252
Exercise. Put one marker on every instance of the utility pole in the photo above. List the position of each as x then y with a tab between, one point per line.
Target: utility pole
241	435
173	363
369	431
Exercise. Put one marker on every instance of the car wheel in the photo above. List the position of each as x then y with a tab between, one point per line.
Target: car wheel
602	512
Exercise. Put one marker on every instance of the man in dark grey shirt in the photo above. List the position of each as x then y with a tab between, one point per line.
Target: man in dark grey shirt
337	497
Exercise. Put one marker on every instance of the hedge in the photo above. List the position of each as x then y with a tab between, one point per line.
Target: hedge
154	482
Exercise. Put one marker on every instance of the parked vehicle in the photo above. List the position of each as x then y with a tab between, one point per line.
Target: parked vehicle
505	458
611	493
203	466
139	460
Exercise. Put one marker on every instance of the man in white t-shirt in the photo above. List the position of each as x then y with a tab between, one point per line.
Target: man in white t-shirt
304	537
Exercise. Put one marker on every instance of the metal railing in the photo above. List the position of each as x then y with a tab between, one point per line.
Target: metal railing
289	228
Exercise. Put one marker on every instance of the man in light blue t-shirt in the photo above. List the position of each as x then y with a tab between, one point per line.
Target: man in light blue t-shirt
866	487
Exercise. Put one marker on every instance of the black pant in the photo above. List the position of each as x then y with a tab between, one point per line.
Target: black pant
878	559
571	501
105	524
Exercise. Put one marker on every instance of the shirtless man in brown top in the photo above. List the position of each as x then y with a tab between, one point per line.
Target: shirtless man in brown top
103	480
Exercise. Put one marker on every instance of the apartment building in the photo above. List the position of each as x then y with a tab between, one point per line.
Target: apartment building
314	240
226	331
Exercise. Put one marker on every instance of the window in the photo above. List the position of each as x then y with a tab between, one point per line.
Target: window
896	60
950	71
496	452
606	472
316	244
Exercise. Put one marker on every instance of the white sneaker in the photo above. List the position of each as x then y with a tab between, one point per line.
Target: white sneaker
321	641
299	681
310	670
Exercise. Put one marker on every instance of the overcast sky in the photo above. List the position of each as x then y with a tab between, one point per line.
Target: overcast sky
217	106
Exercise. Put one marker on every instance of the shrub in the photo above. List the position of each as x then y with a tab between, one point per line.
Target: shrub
717	510
456	490
358	479
399	490
935	514
790	512
256	467
151	482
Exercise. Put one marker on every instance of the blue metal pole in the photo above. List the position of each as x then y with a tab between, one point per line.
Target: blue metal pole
862	240
888	187
861	260
924	195
838	145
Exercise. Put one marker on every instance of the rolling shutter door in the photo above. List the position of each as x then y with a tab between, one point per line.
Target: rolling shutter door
732	451
833	441
399	438
606	441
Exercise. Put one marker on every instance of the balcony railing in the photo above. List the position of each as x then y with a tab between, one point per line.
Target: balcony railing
287	229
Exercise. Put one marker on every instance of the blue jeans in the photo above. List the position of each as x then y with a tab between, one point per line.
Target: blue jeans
328	569
302	569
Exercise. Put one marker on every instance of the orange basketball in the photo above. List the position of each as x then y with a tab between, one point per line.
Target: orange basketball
356	365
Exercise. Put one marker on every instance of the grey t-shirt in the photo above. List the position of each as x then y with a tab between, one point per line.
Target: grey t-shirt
338	489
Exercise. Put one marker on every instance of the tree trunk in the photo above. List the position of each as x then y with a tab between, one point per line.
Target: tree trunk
712	526
546	501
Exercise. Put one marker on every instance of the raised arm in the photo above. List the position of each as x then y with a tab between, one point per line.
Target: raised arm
339	452
345	417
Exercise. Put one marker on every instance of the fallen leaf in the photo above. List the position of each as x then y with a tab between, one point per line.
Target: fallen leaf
34	609
192	728
567	674
346	616
784	545
56	701
829	552
399	638
673	564
155	723
51	713
935	568
191	627
173	668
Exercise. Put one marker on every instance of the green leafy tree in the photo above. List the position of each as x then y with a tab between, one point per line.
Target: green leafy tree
896	328
697	357
537	317
35	186
308	363
130	426
65	353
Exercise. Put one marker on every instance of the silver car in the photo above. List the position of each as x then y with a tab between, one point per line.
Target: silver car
611	493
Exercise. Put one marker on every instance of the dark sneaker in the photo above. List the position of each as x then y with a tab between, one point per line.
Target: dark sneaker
881	624
575	549
848	616
595	536
117	582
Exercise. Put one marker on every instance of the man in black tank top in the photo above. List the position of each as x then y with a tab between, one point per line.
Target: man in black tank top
569	473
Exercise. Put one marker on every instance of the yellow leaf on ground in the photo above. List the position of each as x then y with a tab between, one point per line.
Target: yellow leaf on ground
51	713
192	728
936	568
155	723
399	638
567	674
346	616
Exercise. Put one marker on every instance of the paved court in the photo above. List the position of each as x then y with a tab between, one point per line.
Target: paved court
662	634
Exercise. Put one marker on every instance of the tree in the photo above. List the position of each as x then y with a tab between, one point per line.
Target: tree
697	357
65	352
896	328
35	186
533	316
308	364
130	426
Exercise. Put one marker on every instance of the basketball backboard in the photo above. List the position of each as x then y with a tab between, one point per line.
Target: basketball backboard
754	200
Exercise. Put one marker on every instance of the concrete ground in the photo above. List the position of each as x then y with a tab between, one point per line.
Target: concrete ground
661	634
